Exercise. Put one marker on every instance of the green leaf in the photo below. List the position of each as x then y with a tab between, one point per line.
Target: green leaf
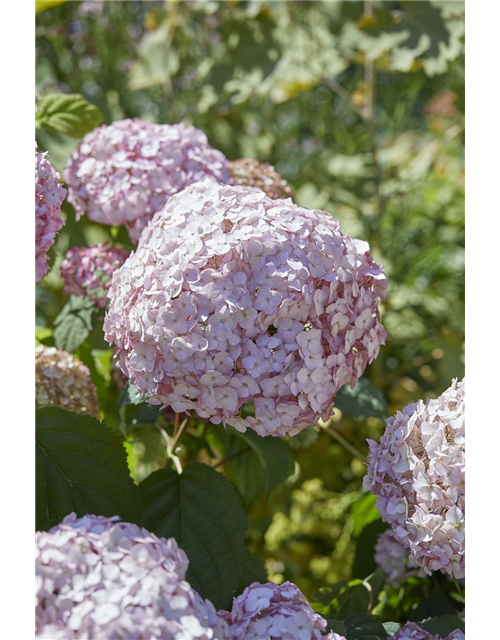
443	625
391	627
364	627
41	5
257	471
343	599
130	395
81	466
363	401
363	512
70	114
74	323
251	569
364	561
337	626
202	511
437	604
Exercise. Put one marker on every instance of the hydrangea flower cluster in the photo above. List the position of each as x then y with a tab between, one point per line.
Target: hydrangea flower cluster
125	172
49	195
234	298
393	558
417	473
100	578
87	271
411	631
63	381
248	172
276	611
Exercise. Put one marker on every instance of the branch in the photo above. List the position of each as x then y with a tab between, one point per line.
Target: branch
231	457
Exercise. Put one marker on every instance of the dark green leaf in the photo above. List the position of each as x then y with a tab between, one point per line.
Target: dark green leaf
364	561
256	472
74	323
81	466
364	627
437	604
251	569
363	401
201	510
443	625
343	599
70	114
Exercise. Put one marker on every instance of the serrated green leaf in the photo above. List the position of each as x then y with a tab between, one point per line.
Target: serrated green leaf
257	471
74	323
81	466
70	114
337	626
202	511
363	401
364	627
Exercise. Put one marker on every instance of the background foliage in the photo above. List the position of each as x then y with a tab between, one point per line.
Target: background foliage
360	106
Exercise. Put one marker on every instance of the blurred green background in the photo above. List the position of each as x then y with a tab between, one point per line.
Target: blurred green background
360	106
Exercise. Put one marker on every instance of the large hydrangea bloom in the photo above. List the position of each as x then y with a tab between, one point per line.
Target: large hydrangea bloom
87	271
49	195
248	172
276	611
417	473
234	298
63	381
100	578
125	172
393	558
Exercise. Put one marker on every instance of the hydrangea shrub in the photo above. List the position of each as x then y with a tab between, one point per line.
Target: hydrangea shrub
63	381
234	298
97	577
87	271
49	195
417	472
125	172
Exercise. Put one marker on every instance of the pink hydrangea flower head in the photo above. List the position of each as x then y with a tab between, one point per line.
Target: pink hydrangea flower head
393	558
101	578
49	195
248	172
417	472
334	636
458	634
63	381
234	298
87	271
125	172
276	611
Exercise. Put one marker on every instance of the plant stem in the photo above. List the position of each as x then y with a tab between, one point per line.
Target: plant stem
345	443
231	457
178	436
